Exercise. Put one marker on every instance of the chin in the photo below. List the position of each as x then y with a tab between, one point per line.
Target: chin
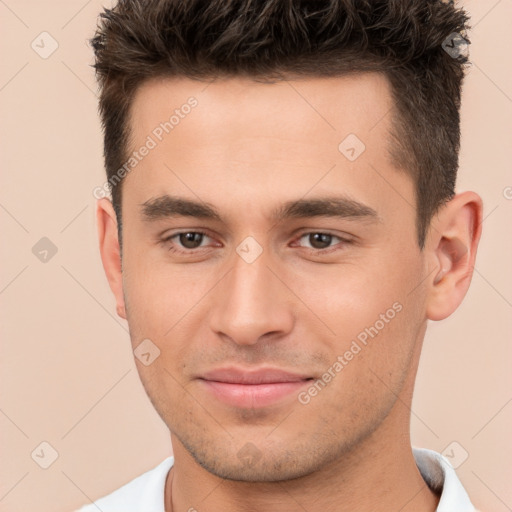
267	472
249	464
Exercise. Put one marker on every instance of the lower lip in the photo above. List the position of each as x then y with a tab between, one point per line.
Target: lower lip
253	395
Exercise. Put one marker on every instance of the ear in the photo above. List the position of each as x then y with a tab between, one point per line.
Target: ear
451	245
110	251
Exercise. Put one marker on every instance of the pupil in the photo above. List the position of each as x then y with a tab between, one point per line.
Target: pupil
321	238
191	240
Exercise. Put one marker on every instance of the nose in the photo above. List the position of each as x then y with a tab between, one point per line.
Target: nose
252	302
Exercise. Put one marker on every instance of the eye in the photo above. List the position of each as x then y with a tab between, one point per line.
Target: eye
186	241
320	241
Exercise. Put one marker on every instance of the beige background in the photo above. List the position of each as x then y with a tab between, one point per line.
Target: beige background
67	371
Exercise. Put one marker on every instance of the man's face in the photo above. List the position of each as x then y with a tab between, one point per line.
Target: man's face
285	338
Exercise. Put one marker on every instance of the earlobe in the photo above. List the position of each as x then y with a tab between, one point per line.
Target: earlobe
452	243
110	251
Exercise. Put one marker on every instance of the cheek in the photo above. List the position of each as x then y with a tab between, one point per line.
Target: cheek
370	360
158	295
349	298
370	311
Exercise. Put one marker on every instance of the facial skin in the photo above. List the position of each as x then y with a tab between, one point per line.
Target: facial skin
245	150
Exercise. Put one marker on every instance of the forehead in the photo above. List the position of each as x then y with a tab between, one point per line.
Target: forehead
254	141
331	106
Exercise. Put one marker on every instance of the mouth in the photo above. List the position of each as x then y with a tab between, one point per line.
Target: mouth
252	388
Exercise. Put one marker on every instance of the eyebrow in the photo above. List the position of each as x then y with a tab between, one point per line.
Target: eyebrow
167	206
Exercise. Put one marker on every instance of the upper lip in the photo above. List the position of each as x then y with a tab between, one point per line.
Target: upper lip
252	376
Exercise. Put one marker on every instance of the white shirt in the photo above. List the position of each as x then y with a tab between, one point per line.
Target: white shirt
146	492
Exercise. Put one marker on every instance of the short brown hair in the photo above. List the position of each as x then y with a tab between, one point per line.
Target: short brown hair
407	40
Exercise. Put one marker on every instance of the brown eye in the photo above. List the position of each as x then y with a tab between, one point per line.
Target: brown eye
186	242
319	240
190	240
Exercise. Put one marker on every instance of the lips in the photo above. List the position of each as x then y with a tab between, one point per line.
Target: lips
252	388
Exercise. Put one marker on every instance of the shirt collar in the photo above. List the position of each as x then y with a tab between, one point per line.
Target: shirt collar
440	476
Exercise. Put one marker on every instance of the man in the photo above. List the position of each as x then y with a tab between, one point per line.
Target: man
283	224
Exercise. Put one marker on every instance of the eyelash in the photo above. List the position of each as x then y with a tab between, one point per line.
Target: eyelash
172	249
